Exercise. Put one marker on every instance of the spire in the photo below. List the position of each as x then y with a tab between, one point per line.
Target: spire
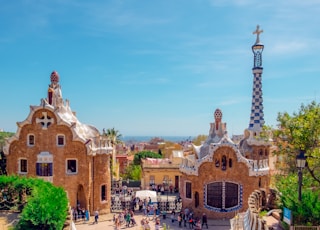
54	90
256	118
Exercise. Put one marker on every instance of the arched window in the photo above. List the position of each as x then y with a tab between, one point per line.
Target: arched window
188	190
230	163
31	140
224	162
60	140
103	193
196	199
223	196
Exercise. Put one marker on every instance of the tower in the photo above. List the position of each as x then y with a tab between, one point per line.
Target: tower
256	118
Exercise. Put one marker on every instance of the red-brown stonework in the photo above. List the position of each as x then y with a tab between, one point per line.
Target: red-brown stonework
84	187
208	173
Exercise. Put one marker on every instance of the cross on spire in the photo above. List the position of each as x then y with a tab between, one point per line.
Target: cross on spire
258	32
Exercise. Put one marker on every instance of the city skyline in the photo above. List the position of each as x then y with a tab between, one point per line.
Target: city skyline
158	68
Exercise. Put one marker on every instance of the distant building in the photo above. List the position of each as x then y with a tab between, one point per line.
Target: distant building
163	174
52	144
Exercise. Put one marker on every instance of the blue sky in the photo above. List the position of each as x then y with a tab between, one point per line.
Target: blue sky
158	68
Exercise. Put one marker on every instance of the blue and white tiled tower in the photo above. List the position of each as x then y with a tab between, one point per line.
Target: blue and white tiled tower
257	116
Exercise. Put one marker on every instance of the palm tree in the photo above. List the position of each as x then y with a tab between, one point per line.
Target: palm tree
113	137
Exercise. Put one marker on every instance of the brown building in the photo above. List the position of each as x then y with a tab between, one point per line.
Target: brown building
162	174
219	179
52	144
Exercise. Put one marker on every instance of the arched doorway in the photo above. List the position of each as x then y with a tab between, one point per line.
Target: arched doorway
196	199
81	198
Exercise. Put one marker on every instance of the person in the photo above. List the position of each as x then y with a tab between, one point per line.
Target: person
180	219
190	219
172	216
96	216
128	219
204	220
157	224
198	225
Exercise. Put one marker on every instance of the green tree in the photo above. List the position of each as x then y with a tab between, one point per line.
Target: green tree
306	212
113	138
144	154
133	172
300	131
43	205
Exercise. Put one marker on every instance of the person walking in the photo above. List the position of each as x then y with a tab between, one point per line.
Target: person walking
204	220
96	216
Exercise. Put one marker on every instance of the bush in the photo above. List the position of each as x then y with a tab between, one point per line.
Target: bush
46	205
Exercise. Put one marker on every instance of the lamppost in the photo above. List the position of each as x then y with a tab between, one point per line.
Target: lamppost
301	163
124	191
166	183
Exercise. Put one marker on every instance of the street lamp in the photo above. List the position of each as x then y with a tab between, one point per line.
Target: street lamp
301	163
124	190
166	183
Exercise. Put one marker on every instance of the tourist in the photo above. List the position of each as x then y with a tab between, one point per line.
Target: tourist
204	220
180	219
96	216
117	223
198	225
173	216
128	219
157	224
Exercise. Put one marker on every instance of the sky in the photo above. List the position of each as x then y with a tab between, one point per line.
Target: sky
158	68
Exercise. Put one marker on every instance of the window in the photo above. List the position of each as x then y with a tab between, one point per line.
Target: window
60	140
23	166
44	169
151	180
103	193
31	140
230	163
44	164
223	196
224	162
188	190
72	166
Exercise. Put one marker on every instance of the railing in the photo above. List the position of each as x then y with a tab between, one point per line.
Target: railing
304	227
118	205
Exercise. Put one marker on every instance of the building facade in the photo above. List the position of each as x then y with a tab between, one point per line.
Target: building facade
52	144
220	177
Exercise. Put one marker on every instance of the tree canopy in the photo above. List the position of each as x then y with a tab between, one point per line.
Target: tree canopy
299	132
144	154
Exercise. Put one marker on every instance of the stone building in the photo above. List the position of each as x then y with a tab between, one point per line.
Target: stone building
157	173
220	177
52	144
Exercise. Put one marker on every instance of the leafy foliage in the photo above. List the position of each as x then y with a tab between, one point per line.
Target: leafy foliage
113	136
133	172
3	136
300	131
305	212
144	154
296	132
45	206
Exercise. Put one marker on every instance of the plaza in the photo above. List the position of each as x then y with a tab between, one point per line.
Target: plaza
106	222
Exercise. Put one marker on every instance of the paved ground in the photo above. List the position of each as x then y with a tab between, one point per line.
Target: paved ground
106	223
